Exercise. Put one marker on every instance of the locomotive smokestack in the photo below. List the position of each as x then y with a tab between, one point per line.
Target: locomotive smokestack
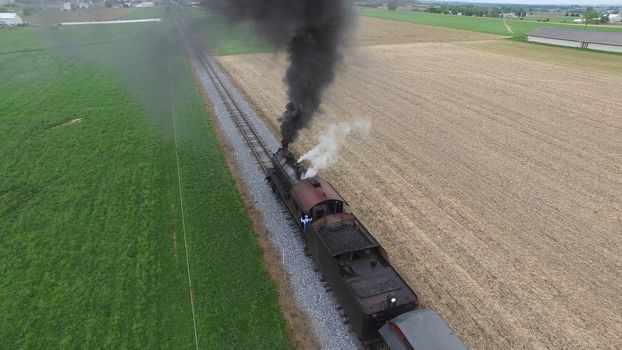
313	32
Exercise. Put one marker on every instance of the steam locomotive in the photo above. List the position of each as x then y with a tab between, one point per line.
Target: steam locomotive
380	307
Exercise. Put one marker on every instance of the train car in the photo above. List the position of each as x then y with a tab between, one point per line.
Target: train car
421	329
355	265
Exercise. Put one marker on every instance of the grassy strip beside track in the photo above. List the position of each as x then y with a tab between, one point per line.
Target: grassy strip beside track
92	251
476	24
220	36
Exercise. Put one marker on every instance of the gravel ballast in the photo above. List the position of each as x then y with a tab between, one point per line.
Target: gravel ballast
309	293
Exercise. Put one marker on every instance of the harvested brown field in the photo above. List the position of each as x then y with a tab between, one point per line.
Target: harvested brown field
582	59
376	31
493	180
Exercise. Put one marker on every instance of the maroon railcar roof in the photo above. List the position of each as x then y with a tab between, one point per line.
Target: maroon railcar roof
311	192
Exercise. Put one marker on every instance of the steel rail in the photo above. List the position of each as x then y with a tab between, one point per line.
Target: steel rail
260	151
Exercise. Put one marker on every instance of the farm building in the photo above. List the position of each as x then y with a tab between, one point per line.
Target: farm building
595	40
615	18
10	19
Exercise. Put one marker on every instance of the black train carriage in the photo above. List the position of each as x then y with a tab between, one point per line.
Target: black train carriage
352	261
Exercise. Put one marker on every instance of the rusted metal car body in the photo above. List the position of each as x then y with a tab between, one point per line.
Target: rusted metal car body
354	264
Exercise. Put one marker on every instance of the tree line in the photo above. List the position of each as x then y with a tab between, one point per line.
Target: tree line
479	11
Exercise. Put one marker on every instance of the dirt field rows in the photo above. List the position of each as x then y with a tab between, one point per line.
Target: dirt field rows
375	31
494	181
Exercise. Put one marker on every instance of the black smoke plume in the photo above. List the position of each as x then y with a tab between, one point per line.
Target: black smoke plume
313	32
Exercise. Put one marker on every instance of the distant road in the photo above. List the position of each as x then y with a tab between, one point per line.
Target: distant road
113	22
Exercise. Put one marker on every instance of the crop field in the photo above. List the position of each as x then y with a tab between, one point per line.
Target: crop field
55	16
492	176
551	18
120	222
375	31
514	28
51	17
222	39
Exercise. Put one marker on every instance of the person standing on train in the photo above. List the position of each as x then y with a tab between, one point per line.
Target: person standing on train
305	222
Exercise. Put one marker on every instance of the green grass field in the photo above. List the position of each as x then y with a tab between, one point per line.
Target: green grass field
221	37
53	16
144	12
476	24
92	250
556	19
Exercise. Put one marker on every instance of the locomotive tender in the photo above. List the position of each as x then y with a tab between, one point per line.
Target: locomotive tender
354	264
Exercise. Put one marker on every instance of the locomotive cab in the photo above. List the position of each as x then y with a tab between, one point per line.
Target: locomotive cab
312	197
317	198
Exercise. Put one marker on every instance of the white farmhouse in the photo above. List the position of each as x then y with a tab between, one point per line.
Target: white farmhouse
615	18
10	19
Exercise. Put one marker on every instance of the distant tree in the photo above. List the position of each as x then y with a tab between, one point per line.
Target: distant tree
589	15
28	12
492	12
108	3
393	4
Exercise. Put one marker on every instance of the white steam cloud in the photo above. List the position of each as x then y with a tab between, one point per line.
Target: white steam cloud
326	153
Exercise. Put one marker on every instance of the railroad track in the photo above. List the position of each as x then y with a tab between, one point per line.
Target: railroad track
260	151
261	154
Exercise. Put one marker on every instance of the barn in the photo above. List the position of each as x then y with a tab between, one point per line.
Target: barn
595	40
10	19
